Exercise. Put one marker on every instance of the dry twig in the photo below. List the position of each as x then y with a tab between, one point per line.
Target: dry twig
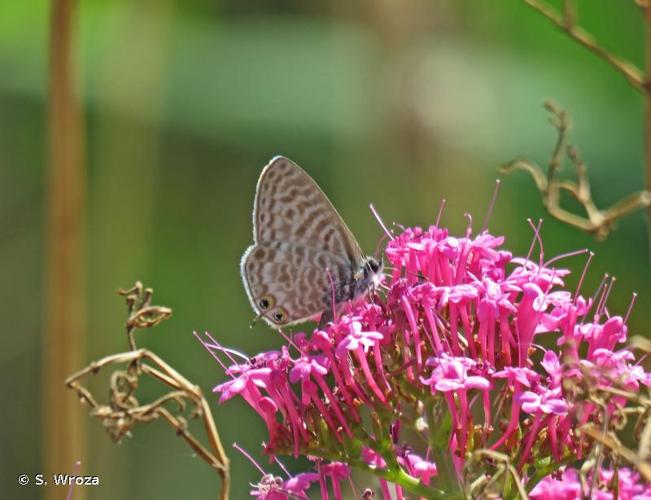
616	404
497	483
596	221
567	22
141	313
183	401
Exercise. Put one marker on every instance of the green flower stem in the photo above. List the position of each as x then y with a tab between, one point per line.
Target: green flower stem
394	474
413	485
400	477
446	477
438	448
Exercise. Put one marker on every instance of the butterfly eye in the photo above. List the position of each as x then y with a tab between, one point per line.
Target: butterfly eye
374	265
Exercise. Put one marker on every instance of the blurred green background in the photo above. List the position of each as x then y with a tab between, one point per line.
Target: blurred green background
395	103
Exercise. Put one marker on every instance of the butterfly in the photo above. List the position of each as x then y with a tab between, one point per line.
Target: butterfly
304	260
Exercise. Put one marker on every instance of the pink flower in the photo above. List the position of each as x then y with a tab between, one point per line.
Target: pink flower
274	488
300	483
451	373
514	374
373	458
456	294
338	470
545	401
422	469
450	350
247	378
567	487
269	488
631	485
358	338
551	364
305	367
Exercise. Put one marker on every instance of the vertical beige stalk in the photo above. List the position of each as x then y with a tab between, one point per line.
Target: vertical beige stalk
647	117
64	420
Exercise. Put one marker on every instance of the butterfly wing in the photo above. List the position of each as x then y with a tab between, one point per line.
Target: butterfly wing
290	207
290	283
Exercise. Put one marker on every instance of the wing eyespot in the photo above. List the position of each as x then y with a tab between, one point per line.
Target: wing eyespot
265	302
279	316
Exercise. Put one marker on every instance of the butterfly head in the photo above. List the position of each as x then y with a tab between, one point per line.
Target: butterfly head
367	277
373	267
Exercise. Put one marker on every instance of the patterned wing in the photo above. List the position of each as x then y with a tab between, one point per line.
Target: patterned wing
289	283
289	206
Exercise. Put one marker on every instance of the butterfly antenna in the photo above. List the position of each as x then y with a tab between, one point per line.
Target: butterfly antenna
379	219
491	206
376	253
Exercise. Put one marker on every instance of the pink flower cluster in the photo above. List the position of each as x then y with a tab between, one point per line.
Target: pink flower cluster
467	345
275	488
567	486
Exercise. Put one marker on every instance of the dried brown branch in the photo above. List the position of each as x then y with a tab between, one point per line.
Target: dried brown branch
487	484
141	313
566	21
610	392
612	442
596	221
184	400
